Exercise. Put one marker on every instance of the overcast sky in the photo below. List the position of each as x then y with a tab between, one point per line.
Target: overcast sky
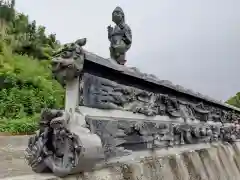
194	43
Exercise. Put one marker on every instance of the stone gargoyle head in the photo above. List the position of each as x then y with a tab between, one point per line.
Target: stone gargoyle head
67	63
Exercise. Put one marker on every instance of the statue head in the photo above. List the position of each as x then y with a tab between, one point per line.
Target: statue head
118	15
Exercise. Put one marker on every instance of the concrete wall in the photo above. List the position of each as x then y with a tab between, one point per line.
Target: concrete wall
194	162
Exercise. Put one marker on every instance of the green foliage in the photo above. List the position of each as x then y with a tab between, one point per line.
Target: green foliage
25	37
235	100
26	86
23	125
7	11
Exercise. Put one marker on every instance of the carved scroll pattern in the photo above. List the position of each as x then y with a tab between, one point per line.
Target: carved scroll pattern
105	94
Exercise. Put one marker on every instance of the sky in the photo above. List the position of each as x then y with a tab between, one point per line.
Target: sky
193	43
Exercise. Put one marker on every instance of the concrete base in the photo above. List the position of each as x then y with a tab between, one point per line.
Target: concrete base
193	162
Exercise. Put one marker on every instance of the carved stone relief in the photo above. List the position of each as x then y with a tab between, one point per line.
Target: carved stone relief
122	136
103	93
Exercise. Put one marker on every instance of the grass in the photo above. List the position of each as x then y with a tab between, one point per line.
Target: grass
25	125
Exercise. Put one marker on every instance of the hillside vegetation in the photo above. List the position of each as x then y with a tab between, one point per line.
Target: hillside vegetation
26	83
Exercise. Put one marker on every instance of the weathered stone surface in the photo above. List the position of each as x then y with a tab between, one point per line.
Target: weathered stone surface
61	150
211	162
68	61
178	167
194	165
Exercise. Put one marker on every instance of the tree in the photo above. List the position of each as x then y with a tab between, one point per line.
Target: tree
235	100
23	36
7	11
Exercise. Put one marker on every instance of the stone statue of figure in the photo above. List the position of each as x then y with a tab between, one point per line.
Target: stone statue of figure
120	36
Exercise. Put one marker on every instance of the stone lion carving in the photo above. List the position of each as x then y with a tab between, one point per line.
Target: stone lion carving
67	63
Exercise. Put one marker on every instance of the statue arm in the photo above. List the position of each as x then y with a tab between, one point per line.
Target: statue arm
109	36
127	35
110	31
